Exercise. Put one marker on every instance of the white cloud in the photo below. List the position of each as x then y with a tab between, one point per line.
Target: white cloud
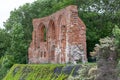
8	5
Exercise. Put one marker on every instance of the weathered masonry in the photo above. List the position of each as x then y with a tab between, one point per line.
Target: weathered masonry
58	38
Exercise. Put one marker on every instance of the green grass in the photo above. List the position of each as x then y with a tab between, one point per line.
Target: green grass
34	72
42	71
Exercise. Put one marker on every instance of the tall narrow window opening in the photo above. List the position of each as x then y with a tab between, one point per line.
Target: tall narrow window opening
43	34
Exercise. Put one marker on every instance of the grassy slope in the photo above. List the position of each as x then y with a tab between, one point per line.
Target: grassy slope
41	71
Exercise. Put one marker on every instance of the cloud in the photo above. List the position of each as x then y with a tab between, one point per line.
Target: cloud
8	5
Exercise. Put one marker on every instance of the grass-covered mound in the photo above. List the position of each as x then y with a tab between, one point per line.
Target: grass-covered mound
44	71
87	71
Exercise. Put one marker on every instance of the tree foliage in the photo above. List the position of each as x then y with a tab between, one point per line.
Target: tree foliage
100	16
116	34
4	41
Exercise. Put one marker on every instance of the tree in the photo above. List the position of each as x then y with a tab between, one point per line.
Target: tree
116	34
4	41
5	38
100	16
18	46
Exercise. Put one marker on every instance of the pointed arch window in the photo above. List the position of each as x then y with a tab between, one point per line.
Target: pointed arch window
43	34
52	30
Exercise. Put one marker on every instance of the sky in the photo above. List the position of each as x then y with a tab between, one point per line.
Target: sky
8	5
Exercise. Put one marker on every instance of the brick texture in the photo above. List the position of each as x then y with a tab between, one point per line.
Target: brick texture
58	38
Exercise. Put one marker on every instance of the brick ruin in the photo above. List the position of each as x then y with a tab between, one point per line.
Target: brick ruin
58	38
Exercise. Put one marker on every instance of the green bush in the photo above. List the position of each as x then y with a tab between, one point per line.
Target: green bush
88	71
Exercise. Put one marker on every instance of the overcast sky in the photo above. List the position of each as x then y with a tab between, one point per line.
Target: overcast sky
8	5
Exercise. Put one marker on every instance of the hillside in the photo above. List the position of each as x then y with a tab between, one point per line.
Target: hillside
45	71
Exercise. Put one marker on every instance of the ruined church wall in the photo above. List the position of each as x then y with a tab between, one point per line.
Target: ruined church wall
69	35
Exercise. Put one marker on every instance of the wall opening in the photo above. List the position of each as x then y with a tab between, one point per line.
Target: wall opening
53	53
44	54
43	34
52	30
52	37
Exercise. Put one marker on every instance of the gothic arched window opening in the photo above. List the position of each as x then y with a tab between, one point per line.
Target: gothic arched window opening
43	34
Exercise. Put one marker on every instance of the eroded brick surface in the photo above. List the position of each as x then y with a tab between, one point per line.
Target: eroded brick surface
64	40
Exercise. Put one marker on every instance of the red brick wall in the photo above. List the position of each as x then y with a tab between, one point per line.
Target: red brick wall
65	38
